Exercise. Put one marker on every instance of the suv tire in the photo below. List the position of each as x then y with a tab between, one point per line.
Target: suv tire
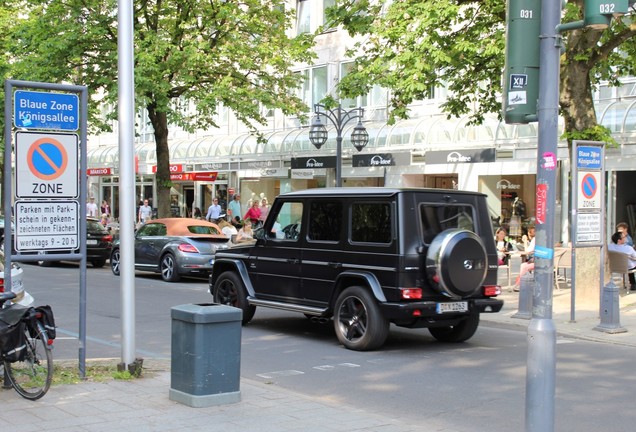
457	333
229	290
358	321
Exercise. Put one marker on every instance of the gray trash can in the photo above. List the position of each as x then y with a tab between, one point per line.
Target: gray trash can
206	354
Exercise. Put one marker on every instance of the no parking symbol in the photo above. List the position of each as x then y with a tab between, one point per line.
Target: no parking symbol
46	165
589	197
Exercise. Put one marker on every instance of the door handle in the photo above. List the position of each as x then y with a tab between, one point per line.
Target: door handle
334	264
293	261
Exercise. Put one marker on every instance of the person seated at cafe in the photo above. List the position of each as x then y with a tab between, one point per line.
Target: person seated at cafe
504	247
619	244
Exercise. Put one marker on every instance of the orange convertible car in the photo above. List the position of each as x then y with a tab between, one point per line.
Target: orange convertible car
174	247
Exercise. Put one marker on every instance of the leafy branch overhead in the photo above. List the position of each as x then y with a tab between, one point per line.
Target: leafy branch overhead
412	46
191	58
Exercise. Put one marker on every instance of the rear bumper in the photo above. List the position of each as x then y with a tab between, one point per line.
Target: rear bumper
428	309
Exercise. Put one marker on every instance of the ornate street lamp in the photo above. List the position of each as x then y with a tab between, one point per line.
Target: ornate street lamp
339	118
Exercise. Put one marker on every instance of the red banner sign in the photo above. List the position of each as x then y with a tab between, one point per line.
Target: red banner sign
542	203
99	171
174	168
209	176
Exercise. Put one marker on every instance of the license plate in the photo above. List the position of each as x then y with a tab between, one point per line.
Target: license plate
91	242
452	307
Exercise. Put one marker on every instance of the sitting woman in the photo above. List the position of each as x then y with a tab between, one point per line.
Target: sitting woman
504	247
528	265
245	234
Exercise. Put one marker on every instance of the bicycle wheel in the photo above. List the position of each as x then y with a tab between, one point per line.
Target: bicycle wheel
31	377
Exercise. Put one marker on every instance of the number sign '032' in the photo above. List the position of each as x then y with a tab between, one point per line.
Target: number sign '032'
598	13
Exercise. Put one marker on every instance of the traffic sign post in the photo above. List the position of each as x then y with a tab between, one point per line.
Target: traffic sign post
48	190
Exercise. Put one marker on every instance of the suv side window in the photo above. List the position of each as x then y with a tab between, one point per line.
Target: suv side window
437	218
287	221
371	222
325	221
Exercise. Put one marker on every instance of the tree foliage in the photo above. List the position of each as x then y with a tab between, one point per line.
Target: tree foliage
190	57
410	46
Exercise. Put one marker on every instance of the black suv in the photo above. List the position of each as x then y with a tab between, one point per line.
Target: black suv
369	257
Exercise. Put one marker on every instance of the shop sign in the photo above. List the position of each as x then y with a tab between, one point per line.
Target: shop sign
99	171
313	162
373	160
174	168
212	166
461	156
274	172
260	164
504	184
306	174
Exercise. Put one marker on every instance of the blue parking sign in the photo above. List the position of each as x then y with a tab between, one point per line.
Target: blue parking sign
46	110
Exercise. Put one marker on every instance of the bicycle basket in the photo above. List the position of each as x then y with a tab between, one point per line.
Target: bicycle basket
12	341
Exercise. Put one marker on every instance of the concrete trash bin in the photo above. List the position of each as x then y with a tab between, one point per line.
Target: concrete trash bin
206	354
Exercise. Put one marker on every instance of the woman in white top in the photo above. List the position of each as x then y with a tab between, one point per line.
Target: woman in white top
245	233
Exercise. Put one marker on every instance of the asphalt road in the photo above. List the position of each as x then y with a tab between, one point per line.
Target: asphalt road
474	386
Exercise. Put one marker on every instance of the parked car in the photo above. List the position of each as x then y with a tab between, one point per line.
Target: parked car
368	257
99	244
22	297
174	247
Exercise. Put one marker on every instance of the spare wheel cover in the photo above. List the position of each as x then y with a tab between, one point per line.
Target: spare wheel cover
456	262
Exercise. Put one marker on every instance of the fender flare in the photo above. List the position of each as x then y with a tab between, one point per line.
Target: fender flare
368	279
222	265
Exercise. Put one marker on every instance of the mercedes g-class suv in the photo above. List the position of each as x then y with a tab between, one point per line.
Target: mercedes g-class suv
368	257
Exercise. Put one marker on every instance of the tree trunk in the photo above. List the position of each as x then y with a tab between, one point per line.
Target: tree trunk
577	104
159	122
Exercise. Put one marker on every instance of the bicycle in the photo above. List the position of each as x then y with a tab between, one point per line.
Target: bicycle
25	347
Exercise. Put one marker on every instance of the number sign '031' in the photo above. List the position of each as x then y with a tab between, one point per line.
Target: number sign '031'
521	85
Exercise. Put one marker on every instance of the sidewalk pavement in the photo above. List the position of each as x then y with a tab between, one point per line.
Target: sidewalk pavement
143	404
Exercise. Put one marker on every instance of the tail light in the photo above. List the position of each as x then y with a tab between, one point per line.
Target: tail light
1	285
107	238
492	290
187	247
411	293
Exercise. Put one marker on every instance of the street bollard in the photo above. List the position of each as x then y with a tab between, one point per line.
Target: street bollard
610	310
526	288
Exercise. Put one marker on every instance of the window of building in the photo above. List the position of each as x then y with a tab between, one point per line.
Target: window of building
314	86
371	222
325	5
377	96
303	16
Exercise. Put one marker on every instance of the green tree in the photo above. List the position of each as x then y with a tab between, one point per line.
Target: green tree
191	57
411	46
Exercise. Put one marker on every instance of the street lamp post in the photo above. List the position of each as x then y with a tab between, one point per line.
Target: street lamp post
339	118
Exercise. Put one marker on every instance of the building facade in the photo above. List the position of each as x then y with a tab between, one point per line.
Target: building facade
427	150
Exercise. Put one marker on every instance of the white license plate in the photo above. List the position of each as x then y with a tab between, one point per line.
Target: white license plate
452	307
91	242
